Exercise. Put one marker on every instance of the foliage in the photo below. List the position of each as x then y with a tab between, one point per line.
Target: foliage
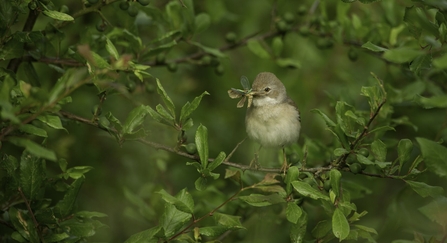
84	94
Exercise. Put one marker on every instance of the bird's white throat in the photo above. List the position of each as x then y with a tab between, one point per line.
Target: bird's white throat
265	100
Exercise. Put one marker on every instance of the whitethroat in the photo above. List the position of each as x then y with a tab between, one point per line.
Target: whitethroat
273	120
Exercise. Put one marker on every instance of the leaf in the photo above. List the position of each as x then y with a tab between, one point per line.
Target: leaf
58	15
440	62
111	49
292	175
308	191
435	156
288	63
25	227
33	148
52	121
146	236
166	99
293	212
230	221
277	45
363	160
78	171
298	230
402	55
213	51
335	176
260	200
32	176
213	231
328	121
404	148
436	211
173	219
184	204
340	225
201	140
425	190
437	101
256	47
340	152
379	150
202	22
217	161
33	130
188	108
370	46
134	119
201	183
322	229
65	206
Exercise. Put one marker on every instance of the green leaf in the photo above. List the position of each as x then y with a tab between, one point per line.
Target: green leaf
288	63
89	215
298	230
402	55
217	161
146	236
185	204
32	176
33	130
24	225
293	174
379	150
52	121
293	212
65	206
173	219
425	190
260	200
363	160
322	229
213	51
404	148
230	221
166	99
435	211
111	49
370	46
435	156
437	101
54	237
201	183
33	148
335	176
256	47
58	15
201	140
188	108
165	114
328	121
134	119
277	45
440	62
213	231
308	191
78	171
340	225
340	152
202	22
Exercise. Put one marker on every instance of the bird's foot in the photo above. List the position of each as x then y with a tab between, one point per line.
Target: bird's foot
254	162
284	167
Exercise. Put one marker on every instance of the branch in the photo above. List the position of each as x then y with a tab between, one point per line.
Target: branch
30	211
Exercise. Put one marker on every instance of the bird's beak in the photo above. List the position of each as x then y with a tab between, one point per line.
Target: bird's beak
254	93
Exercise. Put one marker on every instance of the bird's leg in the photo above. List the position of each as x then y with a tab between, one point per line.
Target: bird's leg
254	162
284	166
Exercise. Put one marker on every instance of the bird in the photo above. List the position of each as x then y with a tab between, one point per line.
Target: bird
273	120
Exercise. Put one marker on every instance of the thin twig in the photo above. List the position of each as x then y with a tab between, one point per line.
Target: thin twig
234	150
205	216
30	211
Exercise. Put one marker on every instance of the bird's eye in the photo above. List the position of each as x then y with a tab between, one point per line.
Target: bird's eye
267	89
